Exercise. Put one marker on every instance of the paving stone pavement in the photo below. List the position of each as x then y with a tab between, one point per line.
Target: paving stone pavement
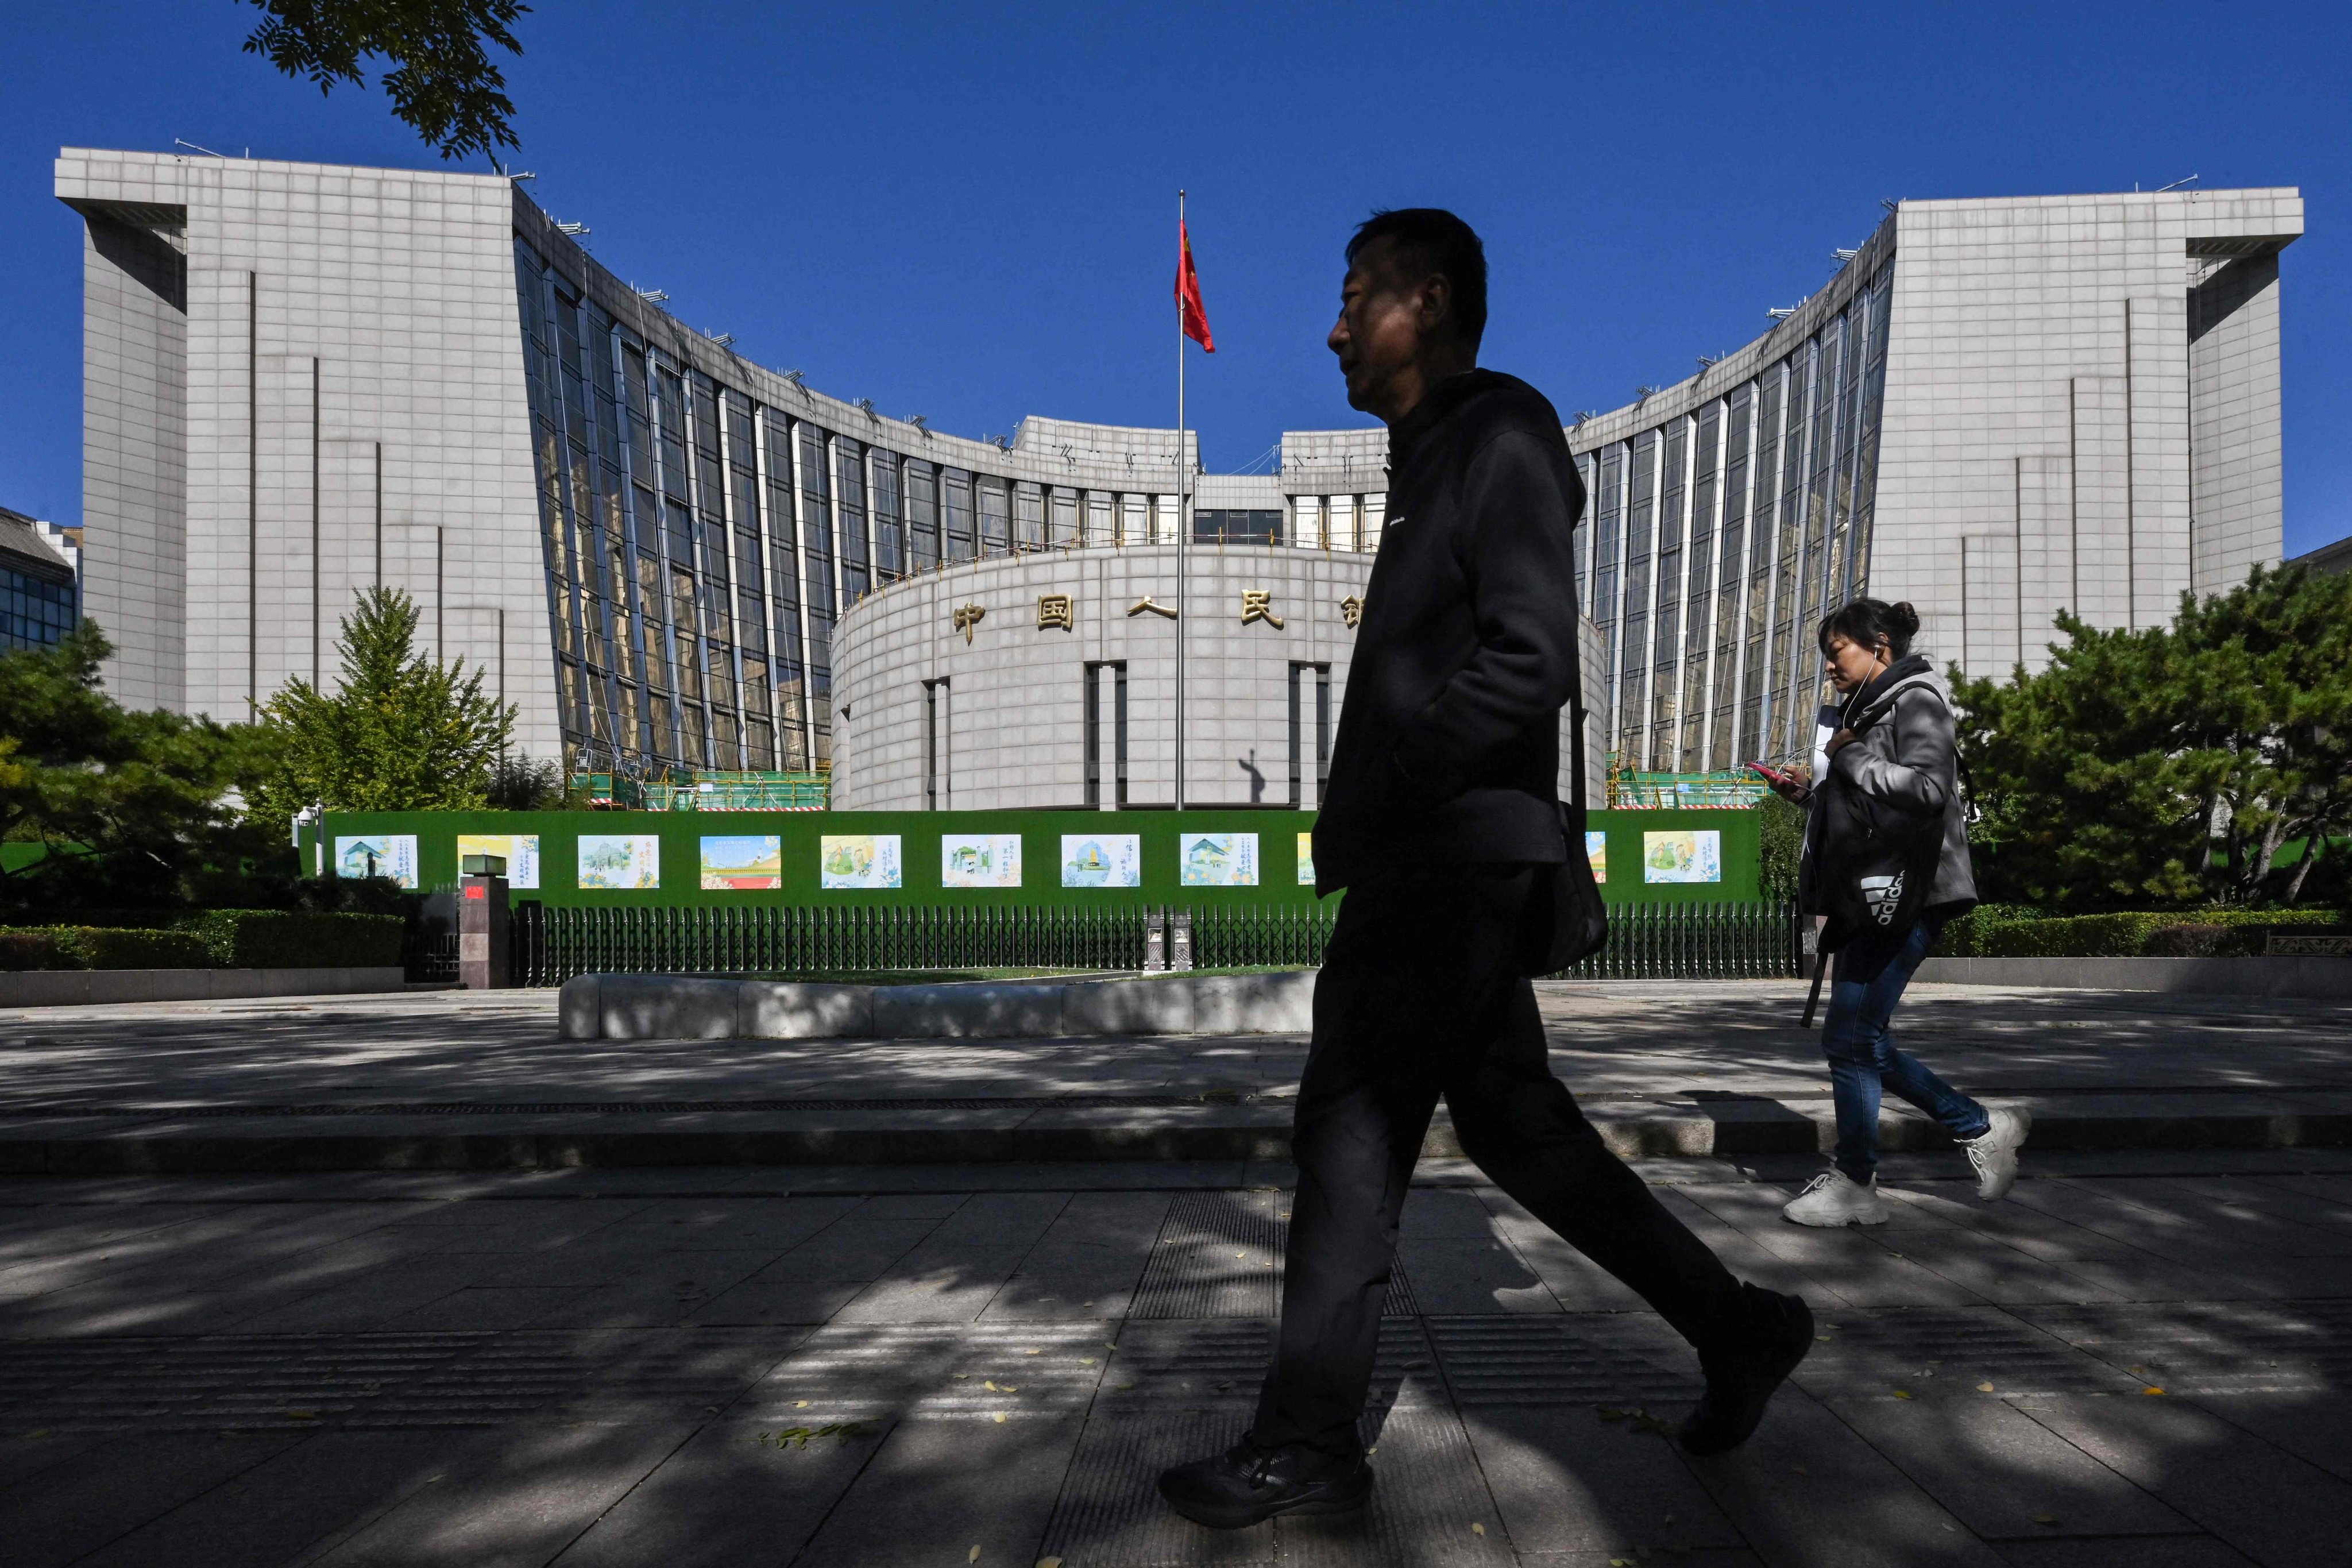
2138	1360
469	1081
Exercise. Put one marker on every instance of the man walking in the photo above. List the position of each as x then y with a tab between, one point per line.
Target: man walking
1442	820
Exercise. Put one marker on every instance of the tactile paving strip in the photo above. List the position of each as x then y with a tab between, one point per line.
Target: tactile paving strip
237	1380
1929	1350
1608	1358
857	1371
2213	1347
1110	1509
1219	1256
297	1381
1209	1363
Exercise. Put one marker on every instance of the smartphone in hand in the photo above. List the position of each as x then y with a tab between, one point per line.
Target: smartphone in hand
1771	774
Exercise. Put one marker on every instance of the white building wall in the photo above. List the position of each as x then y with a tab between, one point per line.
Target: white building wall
134	452
368	318
2237	490
1014	738
2041	412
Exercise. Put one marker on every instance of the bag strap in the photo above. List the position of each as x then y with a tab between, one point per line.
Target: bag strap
1886	704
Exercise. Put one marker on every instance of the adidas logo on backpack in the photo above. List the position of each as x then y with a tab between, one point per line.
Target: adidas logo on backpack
1884	894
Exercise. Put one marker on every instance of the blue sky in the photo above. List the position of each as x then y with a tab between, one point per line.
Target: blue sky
970	213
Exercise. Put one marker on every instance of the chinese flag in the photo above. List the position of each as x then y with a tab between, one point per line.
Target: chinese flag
1188	293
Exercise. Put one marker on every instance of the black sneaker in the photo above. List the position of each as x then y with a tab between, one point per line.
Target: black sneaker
1739	1382
1248	1483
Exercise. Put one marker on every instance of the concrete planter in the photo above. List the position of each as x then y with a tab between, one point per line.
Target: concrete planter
88	987
2280	977
693	1007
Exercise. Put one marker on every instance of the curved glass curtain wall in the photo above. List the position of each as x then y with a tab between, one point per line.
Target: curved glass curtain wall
699	545
1720	537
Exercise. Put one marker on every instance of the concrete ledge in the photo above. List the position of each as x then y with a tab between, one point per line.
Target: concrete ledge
691	1007
2282	976
87	987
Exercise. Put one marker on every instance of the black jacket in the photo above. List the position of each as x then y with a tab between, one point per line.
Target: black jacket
1448	751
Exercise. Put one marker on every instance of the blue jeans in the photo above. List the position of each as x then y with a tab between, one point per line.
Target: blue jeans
1870	973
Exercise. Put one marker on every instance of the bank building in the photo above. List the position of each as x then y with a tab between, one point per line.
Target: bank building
301	380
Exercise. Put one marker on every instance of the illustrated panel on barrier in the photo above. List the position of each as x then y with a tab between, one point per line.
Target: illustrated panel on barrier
1683	855
979	860
1102	860
1596	849
392	855
518	850
742	863
619	861
1307	859
1218	860
853	862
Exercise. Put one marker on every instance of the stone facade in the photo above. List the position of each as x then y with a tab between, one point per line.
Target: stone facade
300	379
1996	409
939	710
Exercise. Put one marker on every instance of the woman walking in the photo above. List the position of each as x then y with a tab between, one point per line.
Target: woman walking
1886	858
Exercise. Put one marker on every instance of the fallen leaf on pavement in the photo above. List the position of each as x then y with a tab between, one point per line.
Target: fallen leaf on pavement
2045	1518
1476	1529
1902	1393
1985	1387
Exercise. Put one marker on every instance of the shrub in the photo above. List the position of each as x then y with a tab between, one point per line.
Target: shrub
100	947
30	949
2194	942
1964	938
2180	933
277	939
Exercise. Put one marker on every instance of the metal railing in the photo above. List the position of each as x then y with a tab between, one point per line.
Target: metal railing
1743	939
1731	940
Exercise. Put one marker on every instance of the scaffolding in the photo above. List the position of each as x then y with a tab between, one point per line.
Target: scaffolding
704	792
1732	790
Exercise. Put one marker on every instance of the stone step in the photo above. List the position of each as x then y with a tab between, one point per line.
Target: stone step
92	1140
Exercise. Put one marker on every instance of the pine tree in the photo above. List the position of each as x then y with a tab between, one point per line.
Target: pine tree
401	732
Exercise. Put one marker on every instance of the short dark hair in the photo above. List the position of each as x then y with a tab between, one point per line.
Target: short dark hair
1862	622
1431	240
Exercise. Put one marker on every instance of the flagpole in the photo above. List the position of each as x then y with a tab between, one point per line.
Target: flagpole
1184	509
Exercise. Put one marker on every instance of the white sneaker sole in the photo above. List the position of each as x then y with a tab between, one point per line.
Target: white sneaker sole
1838	1223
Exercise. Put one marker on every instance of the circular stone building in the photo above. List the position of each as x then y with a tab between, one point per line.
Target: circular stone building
1048	679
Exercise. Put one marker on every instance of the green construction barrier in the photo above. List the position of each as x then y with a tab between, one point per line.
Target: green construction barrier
1195	858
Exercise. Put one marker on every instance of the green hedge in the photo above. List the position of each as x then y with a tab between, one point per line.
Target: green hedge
275	939
1997	930
100	947
30	949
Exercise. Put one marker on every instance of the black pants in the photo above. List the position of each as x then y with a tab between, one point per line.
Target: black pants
1422	995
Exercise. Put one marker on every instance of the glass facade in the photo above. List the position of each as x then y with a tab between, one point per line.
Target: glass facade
701	544
1721	534
37	609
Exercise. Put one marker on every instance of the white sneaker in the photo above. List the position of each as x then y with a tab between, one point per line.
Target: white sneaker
1834	1198
1994	1152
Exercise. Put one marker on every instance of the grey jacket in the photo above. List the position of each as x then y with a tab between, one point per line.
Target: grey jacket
1908	759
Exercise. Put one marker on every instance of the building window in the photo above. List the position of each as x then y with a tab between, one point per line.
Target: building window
1233	527
1310	704
955	495
938	793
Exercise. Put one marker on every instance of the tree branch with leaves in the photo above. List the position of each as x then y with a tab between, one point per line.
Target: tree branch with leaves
441	81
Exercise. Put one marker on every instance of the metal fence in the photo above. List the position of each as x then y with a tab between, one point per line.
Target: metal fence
1744	940
1732	941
